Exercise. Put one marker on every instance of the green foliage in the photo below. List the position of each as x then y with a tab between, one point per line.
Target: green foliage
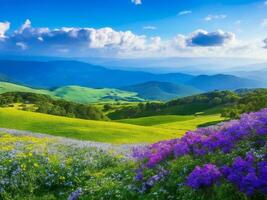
183	106
46	104
249	101
45	168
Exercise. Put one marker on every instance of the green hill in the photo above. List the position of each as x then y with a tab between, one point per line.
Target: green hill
154	90
76	93
100	131
90	95
11	87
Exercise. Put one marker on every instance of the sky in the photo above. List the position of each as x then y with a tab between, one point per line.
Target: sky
134	28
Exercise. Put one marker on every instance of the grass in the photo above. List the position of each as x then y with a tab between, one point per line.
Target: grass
111	132
178	123
191	124
91	95
11	87
155	120
76	93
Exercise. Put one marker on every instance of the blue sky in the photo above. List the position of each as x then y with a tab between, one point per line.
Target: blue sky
171	28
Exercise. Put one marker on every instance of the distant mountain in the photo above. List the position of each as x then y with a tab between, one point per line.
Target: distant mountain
222	82
76	93
259	74
162	90
62	73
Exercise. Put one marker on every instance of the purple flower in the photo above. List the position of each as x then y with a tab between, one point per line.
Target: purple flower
246	175
203	176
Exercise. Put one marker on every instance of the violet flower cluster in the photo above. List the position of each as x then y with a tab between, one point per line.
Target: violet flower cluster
204	176
247	174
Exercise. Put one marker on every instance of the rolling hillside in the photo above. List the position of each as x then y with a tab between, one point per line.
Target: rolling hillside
91	95
76	93
11	87
154	90
112	132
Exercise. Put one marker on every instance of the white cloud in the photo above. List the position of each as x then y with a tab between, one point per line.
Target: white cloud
264	23
137	2
76	40
27	24
149	27
4	26
22	45
185	12
214	17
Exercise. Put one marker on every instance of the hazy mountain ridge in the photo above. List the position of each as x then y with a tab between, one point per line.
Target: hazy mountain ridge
222	82
154	90
53	74
62	73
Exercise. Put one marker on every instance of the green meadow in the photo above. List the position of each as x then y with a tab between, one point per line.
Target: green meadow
140	130
100	131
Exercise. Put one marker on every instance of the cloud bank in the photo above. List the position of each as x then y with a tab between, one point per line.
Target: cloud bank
107	42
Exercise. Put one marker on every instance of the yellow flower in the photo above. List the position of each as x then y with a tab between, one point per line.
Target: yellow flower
23	167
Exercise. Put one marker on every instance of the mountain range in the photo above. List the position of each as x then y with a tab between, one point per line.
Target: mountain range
81	76
61	73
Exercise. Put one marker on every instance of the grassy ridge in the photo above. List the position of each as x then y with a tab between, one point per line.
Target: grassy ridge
112	132
11	87
76	93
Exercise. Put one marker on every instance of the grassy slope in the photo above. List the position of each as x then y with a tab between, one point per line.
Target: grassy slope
85	95
10	87
75	93
155	120
177	123
112	132
192	124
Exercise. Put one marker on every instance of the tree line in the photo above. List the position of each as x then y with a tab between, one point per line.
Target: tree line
46	104
182	106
